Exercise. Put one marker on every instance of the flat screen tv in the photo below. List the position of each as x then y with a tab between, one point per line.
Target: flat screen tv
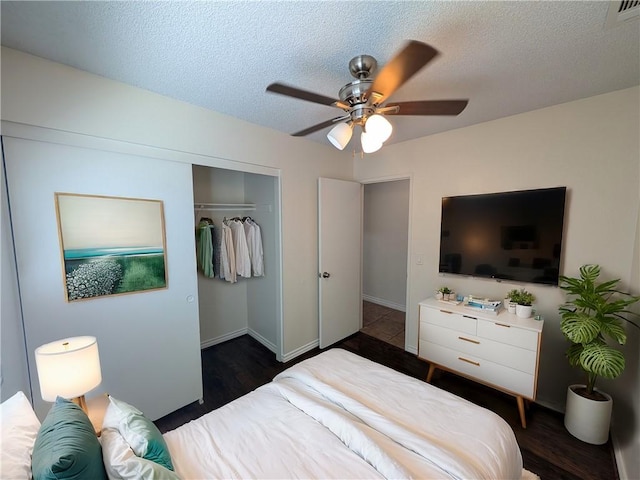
509	235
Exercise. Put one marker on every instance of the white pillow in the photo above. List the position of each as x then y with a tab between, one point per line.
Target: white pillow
138	431
122	464
18	431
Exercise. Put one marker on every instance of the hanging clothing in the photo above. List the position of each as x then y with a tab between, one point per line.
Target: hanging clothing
243	262
254	244
227	255
250	233
215	240
204	248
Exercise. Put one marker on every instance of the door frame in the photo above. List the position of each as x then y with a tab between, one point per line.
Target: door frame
384	179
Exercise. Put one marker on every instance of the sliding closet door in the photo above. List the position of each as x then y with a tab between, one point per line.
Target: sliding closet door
339	246
148	340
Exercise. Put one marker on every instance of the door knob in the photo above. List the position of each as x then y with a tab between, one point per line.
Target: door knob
326	274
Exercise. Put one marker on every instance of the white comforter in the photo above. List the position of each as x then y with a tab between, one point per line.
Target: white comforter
338	415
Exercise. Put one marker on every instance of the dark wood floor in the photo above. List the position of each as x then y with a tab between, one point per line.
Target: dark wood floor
236	367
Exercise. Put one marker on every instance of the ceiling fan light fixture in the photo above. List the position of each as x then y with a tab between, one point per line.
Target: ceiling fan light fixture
340	135
379	127
370	143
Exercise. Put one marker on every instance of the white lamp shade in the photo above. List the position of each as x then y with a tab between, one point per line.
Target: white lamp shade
340	135
379	127
370	144
68	368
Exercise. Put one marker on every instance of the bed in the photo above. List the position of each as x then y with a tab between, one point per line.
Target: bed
336	415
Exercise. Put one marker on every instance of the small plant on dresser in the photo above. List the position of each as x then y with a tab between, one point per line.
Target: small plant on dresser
445	293
523	300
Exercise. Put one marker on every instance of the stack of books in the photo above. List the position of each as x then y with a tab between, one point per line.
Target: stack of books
486	305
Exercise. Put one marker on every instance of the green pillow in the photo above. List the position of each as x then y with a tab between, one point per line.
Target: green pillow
66	446
140	433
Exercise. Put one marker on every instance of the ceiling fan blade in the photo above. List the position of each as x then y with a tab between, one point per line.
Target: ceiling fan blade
320	126
426	107
401	68
294	92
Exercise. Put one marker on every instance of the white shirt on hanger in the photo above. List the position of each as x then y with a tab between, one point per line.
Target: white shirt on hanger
227	255
250	233
257	260
243	262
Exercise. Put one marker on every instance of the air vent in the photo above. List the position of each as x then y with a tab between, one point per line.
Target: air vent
621	11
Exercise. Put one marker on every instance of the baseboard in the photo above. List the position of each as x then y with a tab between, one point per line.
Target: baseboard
262	340
299	351
384	303
621	465
556	407
223	338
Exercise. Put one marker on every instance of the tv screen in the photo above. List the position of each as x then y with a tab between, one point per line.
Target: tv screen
510	235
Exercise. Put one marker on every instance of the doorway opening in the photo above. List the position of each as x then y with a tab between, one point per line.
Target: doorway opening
385	241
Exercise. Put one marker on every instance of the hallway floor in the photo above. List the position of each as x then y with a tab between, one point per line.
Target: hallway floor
383	323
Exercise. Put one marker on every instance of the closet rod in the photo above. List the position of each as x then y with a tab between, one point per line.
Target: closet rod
224	206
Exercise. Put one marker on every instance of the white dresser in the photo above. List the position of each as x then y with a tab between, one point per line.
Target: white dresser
501	350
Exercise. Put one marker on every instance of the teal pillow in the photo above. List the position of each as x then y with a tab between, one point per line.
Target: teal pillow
140	433
66	446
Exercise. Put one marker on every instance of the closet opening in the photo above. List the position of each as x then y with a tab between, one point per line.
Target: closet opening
247	299
385	240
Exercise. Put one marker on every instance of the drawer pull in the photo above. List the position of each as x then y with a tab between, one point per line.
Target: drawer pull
469	361
469	340
467	316
445	311
502	325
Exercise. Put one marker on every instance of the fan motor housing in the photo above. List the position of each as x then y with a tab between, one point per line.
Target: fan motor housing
362	66
353	93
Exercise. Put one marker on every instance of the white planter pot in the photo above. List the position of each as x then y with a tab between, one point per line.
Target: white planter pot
588	420
523	311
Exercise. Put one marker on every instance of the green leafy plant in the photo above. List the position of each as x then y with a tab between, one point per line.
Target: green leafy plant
445	290
594	313
521	297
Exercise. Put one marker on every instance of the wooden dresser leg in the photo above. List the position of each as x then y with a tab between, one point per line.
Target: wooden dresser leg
432	368
523	418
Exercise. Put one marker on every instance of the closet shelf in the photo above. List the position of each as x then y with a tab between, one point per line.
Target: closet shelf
230	206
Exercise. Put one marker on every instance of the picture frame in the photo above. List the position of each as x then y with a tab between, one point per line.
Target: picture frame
110	245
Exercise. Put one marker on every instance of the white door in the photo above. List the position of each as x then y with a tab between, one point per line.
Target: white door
340	243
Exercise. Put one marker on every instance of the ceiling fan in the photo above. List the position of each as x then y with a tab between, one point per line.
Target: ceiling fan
363	99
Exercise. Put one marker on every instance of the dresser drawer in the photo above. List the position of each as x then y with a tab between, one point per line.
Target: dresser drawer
479	369
499	353
448	319
503	333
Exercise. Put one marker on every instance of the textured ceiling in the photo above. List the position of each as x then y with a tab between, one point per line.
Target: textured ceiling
505	57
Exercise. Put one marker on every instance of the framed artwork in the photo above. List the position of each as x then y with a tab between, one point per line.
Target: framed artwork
110	245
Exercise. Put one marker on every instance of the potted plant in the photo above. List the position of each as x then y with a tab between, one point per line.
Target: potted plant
445	293
593	314
523	300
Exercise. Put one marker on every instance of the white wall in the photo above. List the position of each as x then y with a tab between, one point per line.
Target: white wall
223	305
626	389
147	339
46	94
13	359
385	242
263	293
592	146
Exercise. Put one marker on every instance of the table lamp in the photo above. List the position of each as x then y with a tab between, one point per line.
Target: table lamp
68	368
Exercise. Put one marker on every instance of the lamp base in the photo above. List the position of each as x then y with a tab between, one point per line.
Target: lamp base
82	403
